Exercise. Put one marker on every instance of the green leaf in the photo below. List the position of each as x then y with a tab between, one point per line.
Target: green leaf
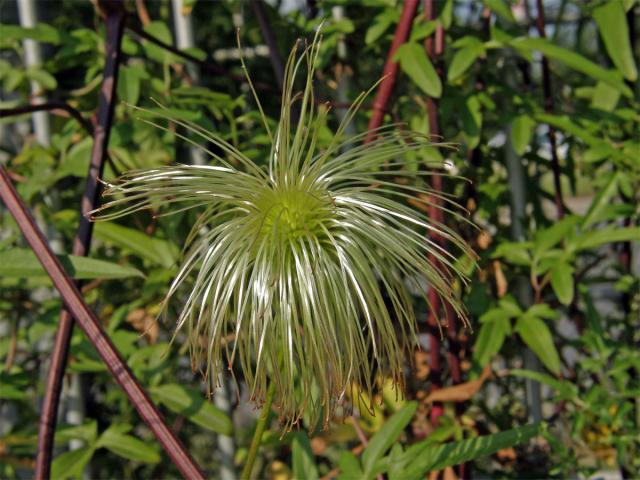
415	63
127	446
386	436
490	340
573	60
601	201
424	457
605	97
41	33
542	310
471	116
71	464
514	252
87	432
22	263
521	132
128	85
380	24
566	125
614	31
607	235
187	402
535	333
156	250
501	9
464	58
562	282
549	237
564	388
349	466
44	79
303	464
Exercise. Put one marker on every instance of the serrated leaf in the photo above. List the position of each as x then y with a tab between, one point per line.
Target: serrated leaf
415	63
562	282
386	436
535	333
22	263
423	457
187	402
614	31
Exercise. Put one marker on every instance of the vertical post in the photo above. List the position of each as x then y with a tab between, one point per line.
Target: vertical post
33	58
548	107
518	188
183	25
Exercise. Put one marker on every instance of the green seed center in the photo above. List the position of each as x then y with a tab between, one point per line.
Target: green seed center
292	213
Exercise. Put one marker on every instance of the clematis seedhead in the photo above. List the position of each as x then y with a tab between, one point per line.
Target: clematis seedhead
308	263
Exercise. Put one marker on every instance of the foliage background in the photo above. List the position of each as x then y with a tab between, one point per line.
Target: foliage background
566	290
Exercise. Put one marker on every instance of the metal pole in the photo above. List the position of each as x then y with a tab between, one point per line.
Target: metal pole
33	58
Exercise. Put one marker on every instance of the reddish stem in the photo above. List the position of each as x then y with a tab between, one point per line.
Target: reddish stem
48	417
92	328
391	67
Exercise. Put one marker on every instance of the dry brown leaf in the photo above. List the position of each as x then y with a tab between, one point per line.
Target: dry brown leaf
449	474
501	280
483	240
144	323
506	455
459	393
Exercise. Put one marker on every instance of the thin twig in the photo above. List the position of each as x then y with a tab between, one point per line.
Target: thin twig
205	65
54	107
277	63
48	416
94	332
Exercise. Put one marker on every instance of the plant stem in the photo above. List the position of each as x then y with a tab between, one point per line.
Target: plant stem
115	18
93	329
257	436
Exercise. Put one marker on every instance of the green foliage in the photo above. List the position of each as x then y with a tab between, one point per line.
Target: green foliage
562	288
